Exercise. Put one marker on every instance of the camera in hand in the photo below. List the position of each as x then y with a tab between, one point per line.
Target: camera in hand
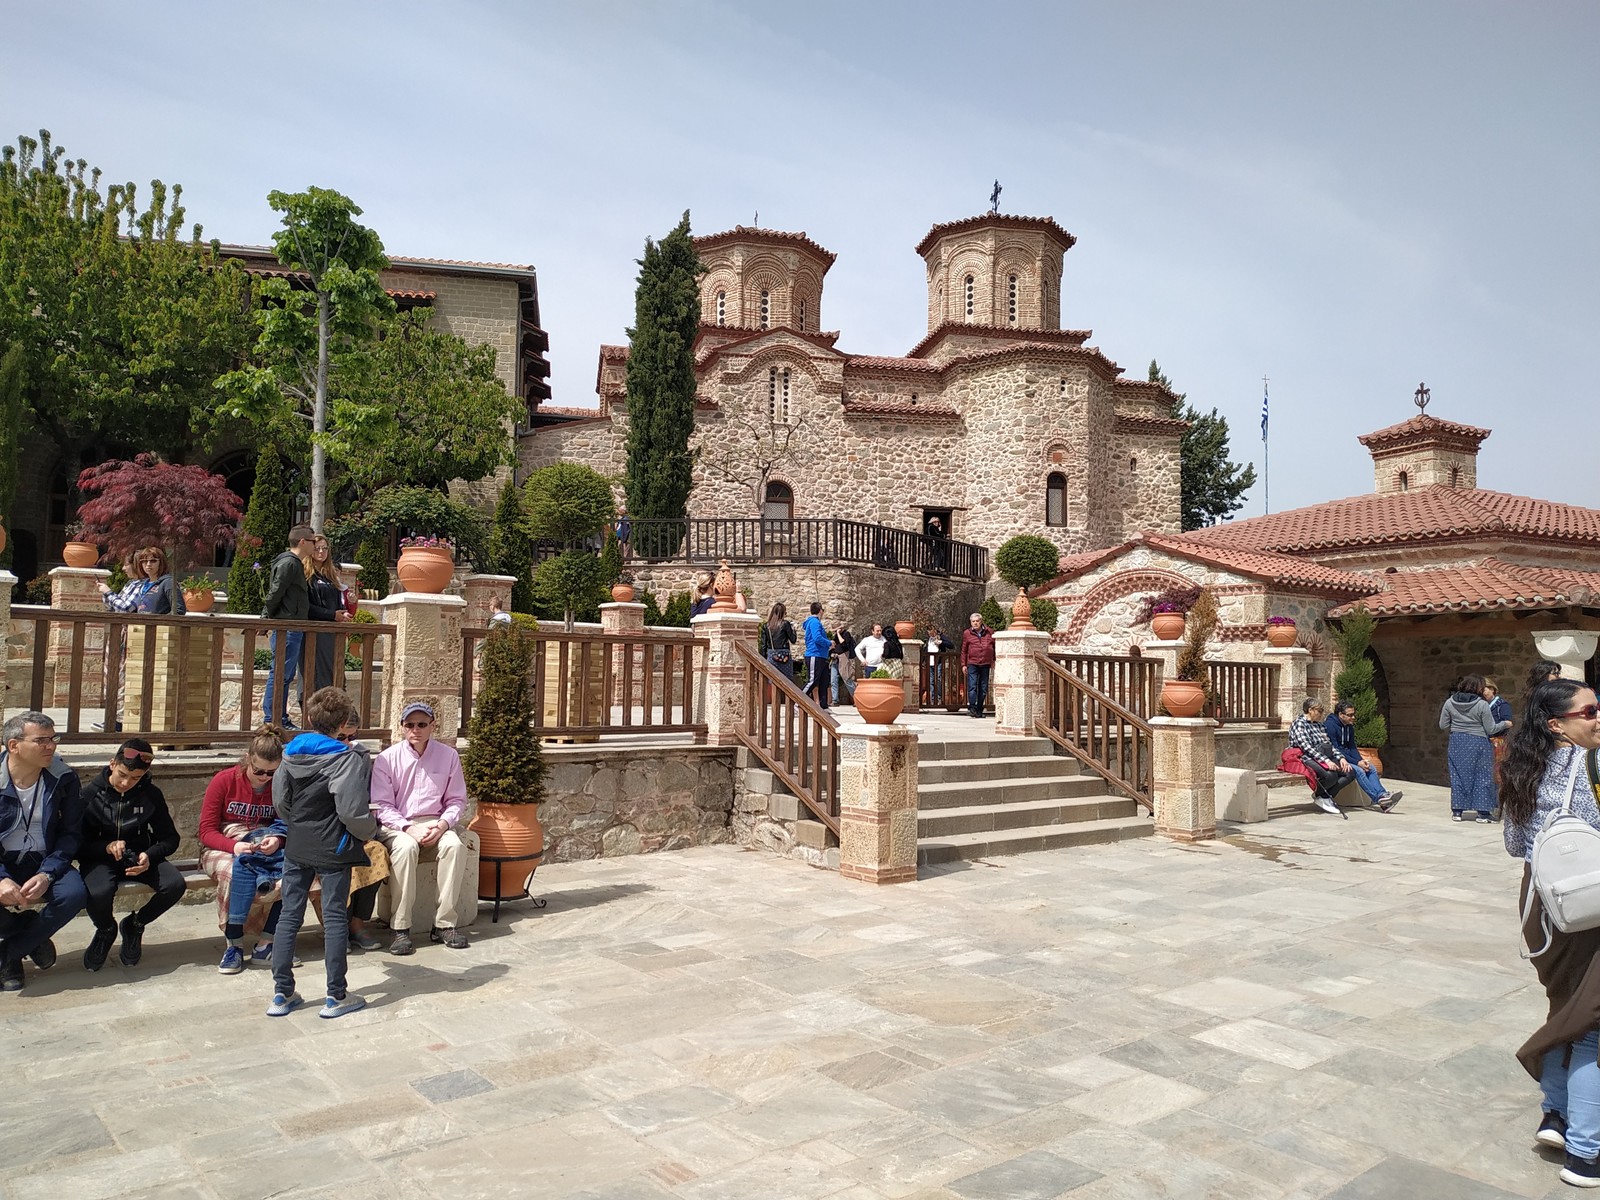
130	857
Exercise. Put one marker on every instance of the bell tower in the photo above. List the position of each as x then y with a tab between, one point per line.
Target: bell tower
1424	452
995	270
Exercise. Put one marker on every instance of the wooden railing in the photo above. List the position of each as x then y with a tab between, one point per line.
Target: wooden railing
1104	735
951	676
605	684
1243	693
796	740
184	681
1130	682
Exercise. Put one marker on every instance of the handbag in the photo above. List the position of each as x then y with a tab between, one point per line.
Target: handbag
1565	867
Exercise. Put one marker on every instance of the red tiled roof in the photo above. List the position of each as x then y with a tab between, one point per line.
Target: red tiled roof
407	294
749	233
1281	569
1494	585
1139	423
1044	224
459	262
878	362
1423	428
898	407
1429	514
555	410
1073	337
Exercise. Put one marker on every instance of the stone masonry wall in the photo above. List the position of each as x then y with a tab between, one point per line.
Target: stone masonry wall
479	311
605	802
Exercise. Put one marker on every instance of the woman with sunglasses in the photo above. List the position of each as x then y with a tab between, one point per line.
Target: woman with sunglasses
127	834
1552	756
150	588
236	820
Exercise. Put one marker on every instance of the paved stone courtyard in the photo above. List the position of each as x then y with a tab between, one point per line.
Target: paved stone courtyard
1311	1008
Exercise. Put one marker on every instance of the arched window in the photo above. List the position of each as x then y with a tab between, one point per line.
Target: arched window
1011	299
778	504
969	289
1055	499
766	307
722	308
1405	482
1455	476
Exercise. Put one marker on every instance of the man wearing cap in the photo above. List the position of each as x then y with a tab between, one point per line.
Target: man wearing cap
417	795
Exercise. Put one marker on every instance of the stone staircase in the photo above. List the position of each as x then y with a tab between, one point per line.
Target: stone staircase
984	798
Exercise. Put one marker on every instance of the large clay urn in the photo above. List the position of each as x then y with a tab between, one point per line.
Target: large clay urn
622	593
1021	611
200	600
1182	697
905	630
425	568
80	554
880	701
1168	626
1281	636
507	831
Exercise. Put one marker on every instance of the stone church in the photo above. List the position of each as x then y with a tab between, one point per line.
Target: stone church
997	422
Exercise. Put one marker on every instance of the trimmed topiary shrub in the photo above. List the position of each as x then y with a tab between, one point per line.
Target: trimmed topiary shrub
503	763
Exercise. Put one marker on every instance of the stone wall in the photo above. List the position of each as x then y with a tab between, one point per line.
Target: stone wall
1250	749
603	802
766	817
480	311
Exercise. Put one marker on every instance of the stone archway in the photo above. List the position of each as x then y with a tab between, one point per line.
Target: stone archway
1115	588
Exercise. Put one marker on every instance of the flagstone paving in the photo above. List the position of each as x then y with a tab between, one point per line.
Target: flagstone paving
1307	1008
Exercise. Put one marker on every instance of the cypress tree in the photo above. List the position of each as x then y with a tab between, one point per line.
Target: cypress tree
374	559
661	385
264	536
11	381
511	548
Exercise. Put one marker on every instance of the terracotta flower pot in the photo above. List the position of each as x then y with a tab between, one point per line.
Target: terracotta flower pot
880	701
1281	636
1168	627
507	831
1370	753
1182	697
906	629
201	600
80	554
622	593
425	568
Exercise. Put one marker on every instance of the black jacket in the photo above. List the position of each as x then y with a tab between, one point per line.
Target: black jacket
323	794
324	599
139	817
288	597
61	821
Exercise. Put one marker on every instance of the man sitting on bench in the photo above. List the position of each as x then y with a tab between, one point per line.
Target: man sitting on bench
418	793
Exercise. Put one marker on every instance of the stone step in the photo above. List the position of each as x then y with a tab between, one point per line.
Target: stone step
939	823
960	770
967	794
931	750
968	846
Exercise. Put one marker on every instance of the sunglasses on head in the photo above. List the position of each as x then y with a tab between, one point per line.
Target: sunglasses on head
135	760
1587	713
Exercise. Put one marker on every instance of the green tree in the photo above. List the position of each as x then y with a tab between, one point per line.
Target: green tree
265	533
421	511
124	322
10	432
510	547
661	386
1213	485
374	560
1353	684
503	763
569	503
1027	560
330	305
994	616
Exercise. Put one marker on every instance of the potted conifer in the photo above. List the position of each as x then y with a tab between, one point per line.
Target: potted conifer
1184	695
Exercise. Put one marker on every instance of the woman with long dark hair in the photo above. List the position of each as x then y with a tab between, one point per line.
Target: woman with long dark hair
1556	741
1471	754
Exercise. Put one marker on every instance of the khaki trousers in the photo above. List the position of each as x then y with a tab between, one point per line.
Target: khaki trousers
404	854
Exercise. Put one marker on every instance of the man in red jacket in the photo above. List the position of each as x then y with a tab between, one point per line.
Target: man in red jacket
977	656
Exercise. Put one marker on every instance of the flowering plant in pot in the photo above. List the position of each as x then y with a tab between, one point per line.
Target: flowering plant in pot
1165	612
879	698
1186	693
622	589
426	563
1280	631
198	593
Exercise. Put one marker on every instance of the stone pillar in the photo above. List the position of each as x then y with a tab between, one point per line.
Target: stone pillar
1292	663
7	700
725	705
1572	648
1165	656
76	589
478	590
914	651
1184	765
1018	683
626	619
878	803
426	660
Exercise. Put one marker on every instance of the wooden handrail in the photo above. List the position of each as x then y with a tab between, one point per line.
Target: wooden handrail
794	738
1128	680
1109	738
1243	693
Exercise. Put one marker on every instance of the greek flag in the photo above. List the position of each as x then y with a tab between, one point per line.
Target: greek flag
1263	411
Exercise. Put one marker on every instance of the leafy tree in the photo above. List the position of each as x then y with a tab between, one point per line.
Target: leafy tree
266	531
10	430
331	304
503	763
571	583
661	385
1213	486
994	616
1027	560
568	502
677	611
1353	684
652	610
611	559
413	510
1045	614
187	511
510	547
751	449
124	323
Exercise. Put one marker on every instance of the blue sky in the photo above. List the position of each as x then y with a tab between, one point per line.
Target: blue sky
1349	198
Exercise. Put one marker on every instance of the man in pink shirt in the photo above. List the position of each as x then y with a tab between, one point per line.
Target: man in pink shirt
417	795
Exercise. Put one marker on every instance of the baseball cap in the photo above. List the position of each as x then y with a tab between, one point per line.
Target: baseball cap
417	706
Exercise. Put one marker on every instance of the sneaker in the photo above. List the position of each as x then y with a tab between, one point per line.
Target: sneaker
44	955
99	946
1552	1131
1455	816
282	1005
450	936
1325	804
344	1004
401	944
11	975
1483	818
1389	801
262	955
132	941
232	961
1581	1172
363	940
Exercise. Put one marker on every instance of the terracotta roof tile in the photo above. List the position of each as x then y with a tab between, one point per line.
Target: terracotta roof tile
459	262
1493	585
1072	337
880	362
898	407
1046	224
1434	514
749	233
1422	427
1281	569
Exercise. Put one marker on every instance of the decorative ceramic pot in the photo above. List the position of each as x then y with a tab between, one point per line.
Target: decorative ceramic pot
622	593
905	629
1182	697
1281	636
80	554
202	600
507	831
880	701
1021	611
425	568
1168	627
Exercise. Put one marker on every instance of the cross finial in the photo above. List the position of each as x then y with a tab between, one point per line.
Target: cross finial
1421	397
994	198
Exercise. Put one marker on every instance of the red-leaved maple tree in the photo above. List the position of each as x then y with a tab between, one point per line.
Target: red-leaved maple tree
187	511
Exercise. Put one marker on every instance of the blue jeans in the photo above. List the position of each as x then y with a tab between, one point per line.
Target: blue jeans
1367	780
1574	1092
977	689
935	683
335	925
291	665
26	931
250	870
844	691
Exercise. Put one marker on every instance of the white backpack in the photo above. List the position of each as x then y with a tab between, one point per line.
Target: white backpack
1566	868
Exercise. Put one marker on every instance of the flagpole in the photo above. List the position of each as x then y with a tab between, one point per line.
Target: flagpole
1266	454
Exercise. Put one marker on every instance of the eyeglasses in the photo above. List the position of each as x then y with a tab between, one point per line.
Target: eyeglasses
43	741
135	760
418	724
261	774
1587	713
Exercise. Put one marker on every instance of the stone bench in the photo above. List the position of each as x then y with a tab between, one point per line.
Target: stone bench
1243	795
